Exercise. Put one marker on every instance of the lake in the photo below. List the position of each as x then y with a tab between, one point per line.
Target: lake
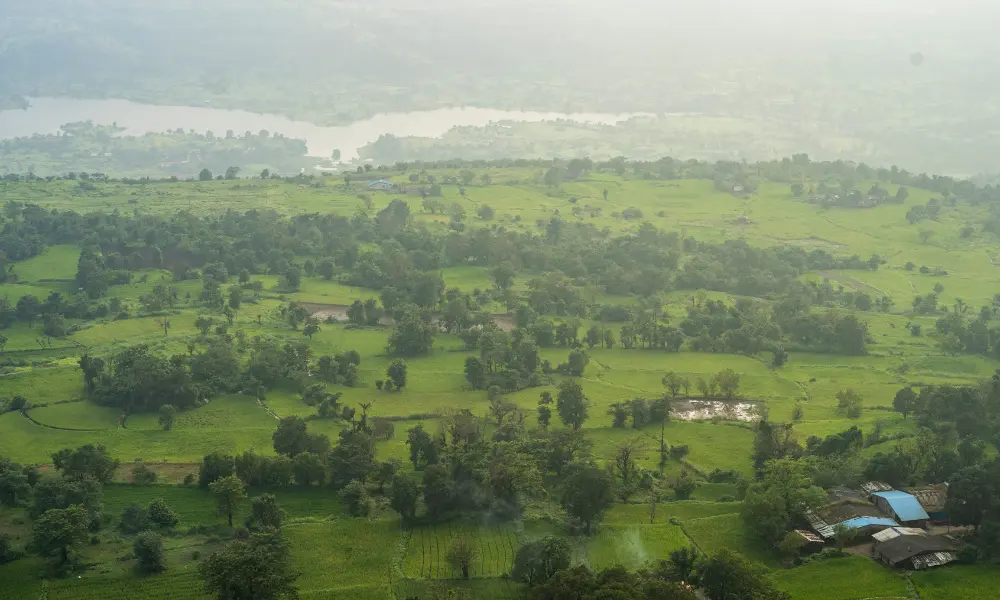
46	115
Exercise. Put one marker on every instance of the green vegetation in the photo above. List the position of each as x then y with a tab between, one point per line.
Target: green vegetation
339	362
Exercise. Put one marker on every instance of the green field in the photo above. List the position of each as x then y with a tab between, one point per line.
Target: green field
375	557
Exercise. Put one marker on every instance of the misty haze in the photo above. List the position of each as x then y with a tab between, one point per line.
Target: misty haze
552	300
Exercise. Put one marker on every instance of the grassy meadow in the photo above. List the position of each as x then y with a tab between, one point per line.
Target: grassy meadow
375	558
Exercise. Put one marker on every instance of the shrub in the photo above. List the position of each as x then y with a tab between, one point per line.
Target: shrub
148	550
143	475
160	514
134	519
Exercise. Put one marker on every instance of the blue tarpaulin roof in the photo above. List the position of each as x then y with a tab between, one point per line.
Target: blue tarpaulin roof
906	506
862	522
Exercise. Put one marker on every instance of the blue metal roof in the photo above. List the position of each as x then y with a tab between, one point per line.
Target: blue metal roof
906	506
386	181
862	522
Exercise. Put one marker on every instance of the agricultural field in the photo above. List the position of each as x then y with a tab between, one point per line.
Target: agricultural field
377	557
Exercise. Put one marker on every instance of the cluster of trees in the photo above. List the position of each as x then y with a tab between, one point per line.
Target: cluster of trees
956	332
136	379
685	575
65	507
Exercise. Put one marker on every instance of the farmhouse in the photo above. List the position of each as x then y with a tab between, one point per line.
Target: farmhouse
901	506
917	551
867	525
383	185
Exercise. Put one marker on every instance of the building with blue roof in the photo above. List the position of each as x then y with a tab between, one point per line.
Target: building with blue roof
903	507
382	184
868	525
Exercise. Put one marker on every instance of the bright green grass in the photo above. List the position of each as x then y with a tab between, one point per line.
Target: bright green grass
958	582
57	263
850	578
426	553
633	546
348	558
182	585
229	424
686	510
728	531
45	384
77	415
480	589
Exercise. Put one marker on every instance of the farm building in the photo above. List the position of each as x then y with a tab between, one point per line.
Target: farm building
867	525
873	487
916	551
932	499
383	185
901	506
810	541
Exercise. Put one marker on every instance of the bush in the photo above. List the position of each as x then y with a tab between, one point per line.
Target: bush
143	475
148	550
134	519
160	514
7	551
357	502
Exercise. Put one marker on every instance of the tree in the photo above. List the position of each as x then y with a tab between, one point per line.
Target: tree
205	175
148	552
166	417
353	459
326	268
851	402
572	404
291	438
412	336
462	556
779	498
86	461
204	324
308	469
3	342
727	575
684	563
256	569
404	495
265	512
28	308
587	493
779	357
536	562
59	533
232	173
311	328
904	401
160	514
577	362
397	373
728	382
673	382
684	486
973	493
503	276
544	416
475	372
15	482
229	494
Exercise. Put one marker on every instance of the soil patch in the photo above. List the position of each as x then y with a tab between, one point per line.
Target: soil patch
691	409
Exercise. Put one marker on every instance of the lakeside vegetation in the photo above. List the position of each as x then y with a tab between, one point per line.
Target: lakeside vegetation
489	364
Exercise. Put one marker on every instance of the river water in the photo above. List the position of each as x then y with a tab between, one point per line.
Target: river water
46	115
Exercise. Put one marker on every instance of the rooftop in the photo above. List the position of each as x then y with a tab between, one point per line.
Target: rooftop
862	522
932	498
906	547
906	506
894	532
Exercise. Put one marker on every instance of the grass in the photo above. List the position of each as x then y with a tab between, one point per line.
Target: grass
632	546
850	578
727	531
958	582
426	553
344	558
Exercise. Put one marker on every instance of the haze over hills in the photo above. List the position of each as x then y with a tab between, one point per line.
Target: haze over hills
902	82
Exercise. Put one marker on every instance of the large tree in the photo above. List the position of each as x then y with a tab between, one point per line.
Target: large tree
587	493
229	494
572	404
256	569
59	533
